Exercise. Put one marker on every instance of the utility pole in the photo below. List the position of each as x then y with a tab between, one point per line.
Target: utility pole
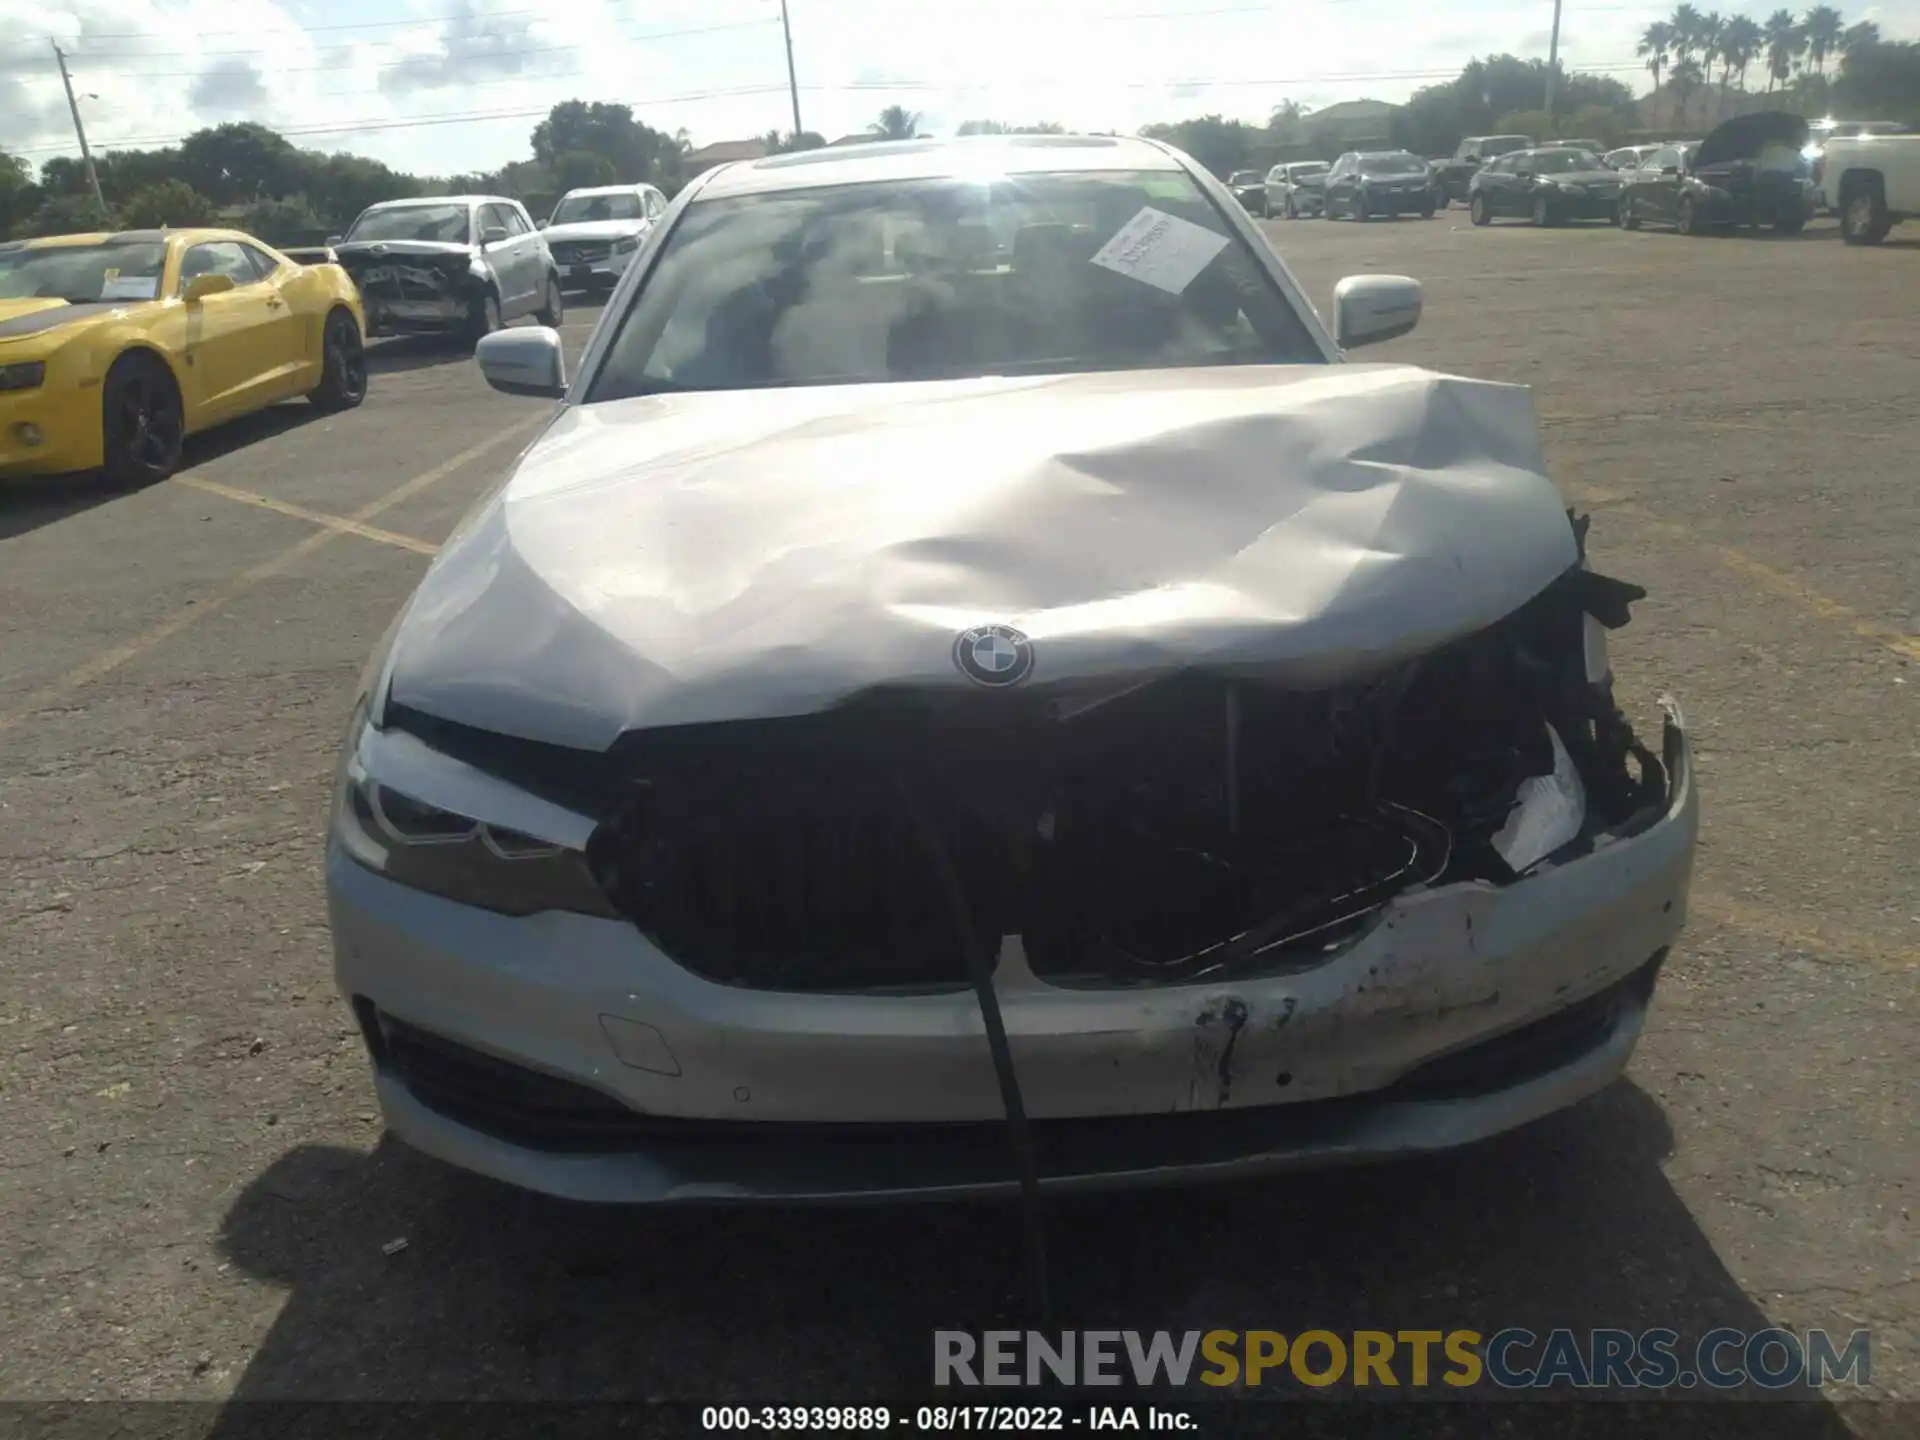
793	83
1553	57
93	177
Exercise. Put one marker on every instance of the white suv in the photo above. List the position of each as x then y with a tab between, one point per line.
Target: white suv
595	232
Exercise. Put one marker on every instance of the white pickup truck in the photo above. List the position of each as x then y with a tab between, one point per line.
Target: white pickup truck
1872	182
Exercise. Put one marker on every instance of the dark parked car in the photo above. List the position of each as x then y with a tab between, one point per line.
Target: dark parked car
1450	177
1365	184
458	264
1549	186
1750	171
1250	189
1297	188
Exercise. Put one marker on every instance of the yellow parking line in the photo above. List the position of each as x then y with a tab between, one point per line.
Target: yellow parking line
1778	581
108	661
316	517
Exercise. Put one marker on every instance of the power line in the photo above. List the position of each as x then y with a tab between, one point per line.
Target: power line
865	86
899	87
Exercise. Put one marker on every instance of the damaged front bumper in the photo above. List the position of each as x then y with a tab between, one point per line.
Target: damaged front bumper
567	1054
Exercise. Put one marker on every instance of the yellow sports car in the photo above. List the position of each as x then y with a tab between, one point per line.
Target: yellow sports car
115	348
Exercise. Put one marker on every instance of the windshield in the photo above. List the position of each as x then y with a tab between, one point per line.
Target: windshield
578	208
1392	164
82	274
941	279
1559	162
444	223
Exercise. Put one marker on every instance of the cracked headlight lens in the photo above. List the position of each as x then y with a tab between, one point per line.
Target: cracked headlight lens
475	862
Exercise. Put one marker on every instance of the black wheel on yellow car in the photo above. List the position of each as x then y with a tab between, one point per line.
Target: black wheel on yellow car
553	312
142	422
343	365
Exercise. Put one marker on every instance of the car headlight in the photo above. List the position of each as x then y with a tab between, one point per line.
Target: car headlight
427	846
28	375
626	245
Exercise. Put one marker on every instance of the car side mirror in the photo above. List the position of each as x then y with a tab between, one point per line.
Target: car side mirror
1370	308
493	234
529	361
201	286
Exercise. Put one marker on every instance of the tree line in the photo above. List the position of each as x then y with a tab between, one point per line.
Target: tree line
248	175
1876	79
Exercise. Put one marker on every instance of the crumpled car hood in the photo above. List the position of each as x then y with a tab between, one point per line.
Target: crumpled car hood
690	558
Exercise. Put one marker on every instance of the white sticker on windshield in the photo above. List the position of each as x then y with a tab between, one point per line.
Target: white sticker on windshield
1160	250
129	287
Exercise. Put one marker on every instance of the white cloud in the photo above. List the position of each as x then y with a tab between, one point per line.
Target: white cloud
366	70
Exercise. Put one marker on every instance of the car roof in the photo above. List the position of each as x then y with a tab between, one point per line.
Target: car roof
442	200
195	234
607	189
935	160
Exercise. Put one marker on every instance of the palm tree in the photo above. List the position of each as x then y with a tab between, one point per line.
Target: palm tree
1685	22
1709	37
1863	36
896	122
1823	29
1687	78
1740	45
1656	43
1782	35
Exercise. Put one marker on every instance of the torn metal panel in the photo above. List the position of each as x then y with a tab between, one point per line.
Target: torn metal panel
682	559
1448	968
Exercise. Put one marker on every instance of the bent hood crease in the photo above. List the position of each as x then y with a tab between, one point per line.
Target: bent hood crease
691	558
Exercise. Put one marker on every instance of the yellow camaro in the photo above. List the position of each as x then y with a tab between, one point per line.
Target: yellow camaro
115	348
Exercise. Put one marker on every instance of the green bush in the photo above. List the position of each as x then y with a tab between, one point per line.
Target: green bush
172	203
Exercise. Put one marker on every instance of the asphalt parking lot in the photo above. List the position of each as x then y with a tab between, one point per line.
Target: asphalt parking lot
199	1200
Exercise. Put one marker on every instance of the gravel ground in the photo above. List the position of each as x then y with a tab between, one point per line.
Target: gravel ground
198	1195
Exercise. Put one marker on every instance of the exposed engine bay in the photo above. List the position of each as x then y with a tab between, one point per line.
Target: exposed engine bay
1200	826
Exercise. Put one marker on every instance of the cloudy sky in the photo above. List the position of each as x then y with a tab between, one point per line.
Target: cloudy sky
446	85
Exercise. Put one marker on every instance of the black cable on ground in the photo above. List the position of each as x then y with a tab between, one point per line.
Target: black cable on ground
980	968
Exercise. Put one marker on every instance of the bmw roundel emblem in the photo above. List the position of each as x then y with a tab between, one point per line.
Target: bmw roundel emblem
996	655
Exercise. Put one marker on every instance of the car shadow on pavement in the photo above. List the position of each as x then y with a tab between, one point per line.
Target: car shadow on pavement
501	1295
416	352
27	505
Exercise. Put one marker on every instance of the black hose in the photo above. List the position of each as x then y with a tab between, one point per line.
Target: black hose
980	968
